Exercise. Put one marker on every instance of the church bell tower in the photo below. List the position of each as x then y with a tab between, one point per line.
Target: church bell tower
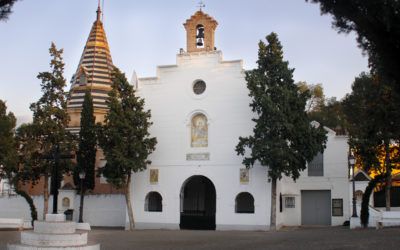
93	74
200	32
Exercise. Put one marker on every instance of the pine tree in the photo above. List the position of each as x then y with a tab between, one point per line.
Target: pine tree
371	113
5	8
86	155
283	138
377	24
50	119
125	137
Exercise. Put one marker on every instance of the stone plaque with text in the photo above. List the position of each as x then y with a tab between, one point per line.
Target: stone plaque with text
198	157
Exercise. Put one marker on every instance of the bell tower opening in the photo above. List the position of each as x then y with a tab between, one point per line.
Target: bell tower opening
200	36
200	32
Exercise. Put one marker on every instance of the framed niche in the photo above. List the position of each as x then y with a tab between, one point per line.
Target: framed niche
244	176
199	131
154	176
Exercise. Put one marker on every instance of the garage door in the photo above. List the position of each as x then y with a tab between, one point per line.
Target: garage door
316	207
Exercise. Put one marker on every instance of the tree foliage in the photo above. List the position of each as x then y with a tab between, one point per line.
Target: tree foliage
50	117
373	123
86	154
8	146
125	137
371	115
317	97
330	114
50	120
326	111
30	153
283	138
5	8
9	162
377	24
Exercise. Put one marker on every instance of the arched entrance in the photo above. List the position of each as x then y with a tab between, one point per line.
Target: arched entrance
198	203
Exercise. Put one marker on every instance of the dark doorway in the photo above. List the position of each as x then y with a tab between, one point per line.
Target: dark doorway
198	203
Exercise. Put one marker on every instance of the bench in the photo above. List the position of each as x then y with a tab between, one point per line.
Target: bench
7	223
389	219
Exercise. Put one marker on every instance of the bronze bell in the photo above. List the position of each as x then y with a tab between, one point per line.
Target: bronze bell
199	42
200	33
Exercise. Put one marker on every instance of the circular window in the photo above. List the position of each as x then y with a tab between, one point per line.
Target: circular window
199	87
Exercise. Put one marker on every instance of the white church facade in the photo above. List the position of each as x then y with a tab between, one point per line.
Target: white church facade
200	107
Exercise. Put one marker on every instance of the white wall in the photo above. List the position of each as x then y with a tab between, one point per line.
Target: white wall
99	210
225	103
227	185
102	210
335	179
17	207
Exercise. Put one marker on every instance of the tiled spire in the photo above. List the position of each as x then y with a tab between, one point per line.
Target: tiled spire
94	70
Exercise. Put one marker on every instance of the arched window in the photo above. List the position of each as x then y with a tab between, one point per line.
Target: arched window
153	202
200	36
199	131
244	203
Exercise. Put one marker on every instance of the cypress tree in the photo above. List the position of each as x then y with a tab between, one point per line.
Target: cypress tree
283	138
125	137
86	154
50	120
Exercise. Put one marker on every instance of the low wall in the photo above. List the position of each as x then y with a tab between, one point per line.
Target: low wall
99	210
102	210
17	207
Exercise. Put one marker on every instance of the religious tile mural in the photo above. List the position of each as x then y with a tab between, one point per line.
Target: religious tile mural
199	131
153	176
244	176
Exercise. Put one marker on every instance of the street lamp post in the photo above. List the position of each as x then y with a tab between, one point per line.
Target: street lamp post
82	176
352	162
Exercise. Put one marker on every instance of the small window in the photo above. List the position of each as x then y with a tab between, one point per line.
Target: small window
337	207
290	202
82	79
316	166
153	202
199	87
244	203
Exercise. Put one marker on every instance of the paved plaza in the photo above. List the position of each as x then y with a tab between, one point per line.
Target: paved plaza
289	238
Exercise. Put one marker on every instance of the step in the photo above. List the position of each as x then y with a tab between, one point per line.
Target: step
46	227
53	240
55	217
27	247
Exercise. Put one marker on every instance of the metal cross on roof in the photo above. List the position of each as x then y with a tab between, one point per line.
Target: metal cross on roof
201	5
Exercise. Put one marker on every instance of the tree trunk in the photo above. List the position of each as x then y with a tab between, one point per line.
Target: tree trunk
388	175
46	196
273	204
81	204
128	203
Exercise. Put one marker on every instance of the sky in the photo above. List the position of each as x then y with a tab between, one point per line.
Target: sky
145	34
